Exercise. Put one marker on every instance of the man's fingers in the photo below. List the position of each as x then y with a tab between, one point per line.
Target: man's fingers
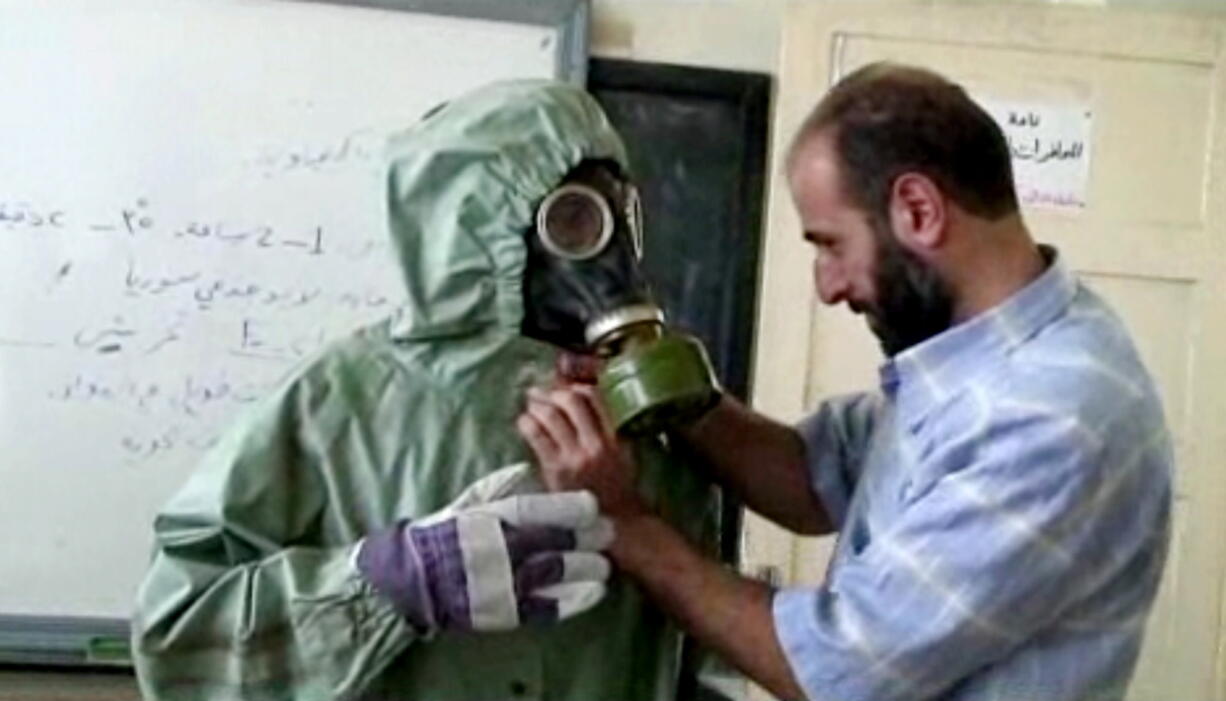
537	438
551	418
583	415
596	402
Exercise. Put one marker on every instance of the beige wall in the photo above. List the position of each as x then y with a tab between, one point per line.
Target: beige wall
745	34
735	34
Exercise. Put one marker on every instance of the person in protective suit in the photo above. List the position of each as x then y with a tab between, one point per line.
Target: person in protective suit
357	535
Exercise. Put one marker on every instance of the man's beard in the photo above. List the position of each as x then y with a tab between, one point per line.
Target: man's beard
913	302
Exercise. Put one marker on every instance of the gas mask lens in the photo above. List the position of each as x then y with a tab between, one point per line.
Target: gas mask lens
575	222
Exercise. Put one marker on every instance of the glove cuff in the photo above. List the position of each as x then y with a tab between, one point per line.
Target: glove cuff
389	560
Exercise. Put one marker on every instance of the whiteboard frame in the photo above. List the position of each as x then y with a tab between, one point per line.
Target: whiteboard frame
568	18
91	642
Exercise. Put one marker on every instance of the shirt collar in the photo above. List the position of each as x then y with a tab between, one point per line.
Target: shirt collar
927	373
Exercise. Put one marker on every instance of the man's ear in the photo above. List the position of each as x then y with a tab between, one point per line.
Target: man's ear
917	212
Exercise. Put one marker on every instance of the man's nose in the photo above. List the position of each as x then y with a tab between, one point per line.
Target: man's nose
831	284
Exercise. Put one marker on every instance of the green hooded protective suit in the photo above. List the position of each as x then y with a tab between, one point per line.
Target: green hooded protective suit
252	593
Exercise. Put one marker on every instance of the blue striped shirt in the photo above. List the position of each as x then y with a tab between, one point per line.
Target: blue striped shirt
1003	509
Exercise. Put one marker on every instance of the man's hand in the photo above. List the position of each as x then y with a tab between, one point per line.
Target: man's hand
574	442
576	447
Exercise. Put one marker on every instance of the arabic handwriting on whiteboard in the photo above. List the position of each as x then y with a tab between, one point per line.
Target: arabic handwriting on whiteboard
362	145
21	214
130	324
187	395
136	221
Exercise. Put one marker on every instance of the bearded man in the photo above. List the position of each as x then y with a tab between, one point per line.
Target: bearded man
1002	499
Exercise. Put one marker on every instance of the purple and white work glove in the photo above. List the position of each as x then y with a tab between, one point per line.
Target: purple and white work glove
493	565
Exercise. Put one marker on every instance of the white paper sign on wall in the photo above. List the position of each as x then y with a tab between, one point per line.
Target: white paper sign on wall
1050	145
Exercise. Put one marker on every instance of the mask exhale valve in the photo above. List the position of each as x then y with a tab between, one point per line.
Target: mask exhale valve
653	379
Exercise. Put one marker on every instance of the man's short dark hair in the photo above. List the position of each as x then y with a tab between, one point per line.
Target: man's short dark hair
887	119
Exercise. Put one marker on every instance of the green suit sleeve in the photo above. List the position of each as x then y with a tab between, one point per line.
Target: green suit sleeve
241	601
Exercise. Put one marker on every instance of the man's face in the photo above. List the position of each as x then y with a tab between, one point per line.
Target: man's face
904	300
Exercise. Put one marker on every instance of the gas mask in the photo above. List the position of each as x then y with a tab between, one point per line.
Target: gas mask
584	291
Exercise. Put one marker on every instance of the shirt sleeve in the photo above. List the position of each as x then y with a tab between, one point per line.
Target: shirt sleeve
836	439
1032	514
241	600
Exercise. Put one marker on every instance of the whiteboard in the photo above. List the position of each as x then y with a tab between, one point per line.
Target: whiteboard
191	201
